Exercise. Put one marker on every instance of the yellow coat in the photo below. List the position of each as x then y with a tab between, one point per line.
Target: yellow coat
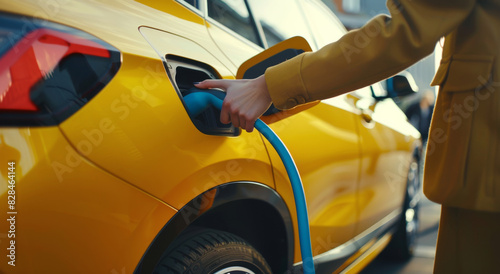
463	159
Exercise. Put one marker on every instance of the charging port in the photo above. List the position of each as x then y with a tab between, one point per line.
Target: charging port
183	73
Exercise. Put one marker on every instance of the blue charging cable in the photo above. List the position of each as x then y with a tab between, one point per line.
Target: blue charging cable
199	100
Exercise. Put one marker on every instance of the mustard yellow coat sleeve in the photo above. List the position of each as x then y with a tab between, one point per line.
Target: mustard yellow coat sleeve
462	165
380	49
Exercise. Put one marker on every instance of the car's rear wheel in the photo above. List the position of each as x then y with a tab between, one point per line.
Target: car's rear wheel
404	239
213	252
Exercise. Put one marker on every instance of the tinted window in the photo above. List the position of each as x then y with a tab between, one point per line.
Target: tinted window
191	2
280	20
325	26
234	15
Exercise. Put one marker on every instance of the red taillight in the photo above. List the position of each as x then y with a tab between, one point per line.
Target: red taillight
29	62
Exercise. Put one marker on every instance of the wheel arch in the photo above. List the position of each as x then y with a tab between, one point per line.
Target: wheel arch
253	208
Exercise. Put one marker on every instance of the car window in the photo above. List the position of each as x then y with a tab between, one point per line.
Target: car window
325	26
365	97
369	91
233	14
191	2
280	20
378	90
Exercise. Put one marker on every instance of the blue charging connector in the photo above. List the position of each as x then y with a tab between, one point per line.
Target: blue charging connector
199	100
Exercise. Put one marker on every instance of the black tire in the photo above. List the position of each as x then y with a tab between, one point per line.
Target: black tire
213	251
403	242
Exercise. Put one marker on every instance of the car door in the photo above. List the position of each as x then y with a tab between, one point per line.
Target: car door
323	140
232	27
387	143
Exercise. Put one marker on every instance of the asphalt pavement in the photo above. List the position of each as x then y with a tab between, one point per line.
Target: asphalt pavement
423	260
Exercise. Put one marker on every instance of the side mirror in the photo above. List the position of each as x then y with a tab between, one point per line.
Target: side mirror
257	65
400	85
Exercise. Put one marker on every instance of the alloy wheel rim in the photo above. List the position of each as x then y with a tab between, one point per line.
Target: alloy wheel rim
235	270
411	213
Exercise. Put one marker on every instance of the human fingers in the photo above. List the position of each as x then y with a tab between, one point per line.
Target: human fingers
249	116
244	117
212	83
249	126
225	118
229	113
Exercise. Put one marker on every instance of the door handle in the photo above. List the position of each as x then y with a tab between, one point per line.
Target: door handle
367	116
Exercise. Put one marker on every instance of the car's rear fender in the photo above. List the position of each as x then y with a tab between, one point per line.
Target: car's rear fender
250	210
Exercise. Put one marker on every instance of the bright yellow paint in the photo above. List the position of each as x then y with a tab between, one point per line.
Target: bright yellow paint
97	189
87	217
368	255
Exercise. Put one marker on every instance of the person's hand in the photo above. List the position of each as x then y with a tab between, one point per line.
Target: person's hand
245	102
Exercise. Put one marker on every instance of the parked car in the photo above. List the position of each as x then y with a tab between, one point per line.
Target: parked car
104	171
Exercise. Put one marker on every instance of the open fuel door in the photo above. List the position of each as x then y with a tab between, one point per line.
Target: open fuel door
257	65
287	49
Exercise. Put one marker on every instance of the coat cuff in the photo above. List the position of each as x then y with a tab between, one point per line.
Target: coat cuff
284	83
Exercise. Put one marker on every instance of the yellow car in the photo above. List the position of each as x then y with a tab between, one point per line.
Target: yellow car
103	170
